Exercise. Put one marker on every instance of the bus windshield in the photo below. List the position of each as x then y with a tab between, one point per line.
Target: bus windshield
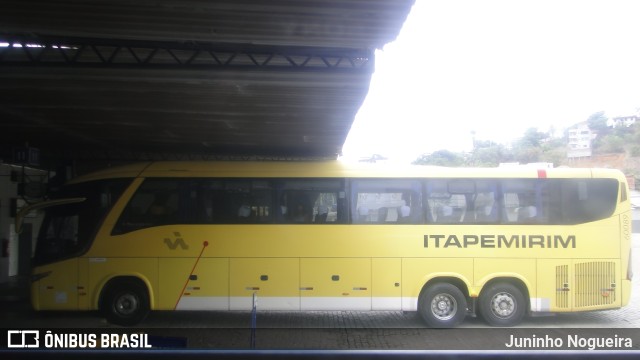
68	229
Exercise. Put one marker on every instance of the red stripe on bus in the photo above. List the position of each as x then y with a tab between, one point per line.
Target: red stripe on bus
204	246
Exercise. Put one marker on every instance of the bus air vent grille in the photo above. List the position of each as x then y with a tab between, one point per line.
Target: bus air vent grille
595	283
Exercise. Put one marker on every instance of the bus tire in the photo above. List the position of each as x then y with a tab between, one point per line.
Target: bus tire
502	304
125	302
442	305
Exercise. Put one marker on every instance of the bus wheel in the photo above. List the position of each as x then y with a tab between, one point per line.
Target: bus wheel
502	304
442	305
125	302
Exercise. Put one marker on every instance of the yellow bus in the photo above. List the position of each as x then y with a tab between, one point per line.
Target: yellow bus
501	243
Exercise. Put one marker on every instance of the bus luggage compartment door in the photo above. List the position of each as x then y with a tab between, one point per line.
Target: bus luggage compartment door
275	281
335	284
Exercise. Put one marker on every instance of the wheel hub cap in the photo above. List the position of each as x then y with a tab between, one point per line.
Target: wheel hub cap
443	306
127	304
503	305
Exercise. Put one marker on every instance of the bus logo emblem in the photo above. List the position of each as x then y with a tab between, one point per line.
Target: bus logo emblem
179	241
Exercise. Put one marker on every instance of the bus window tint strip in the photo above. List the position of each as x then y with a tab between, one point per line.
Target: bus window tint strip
162	201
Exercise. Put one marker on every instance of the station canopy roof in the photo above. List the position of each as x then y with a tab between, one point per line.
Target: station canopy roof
187	79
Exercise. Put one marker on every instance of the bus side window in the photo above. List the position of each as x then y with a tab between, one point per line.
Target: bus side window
386	201
526	201
436	197
485	208
585	200
444	206
483	204
245	201
509	207
465	201
163	208
325	208
311	201
155	203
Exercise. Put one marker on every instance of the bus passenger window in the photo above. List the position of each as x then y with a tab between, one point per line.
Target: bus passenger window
585	200
163	207
240	201
156	202
526	201
464	201
386	201
322	214
485	208
509	207
451	210
301	212
311	201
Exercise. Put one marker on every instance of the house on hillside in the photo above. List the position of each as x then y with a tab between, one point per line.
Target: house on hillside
625	121
580	140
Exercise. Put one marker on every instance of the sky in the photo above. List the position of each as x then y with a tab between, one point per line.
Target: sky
495	68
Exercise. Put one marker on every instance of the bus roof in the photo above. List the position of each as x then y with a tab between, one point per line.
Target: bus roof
335	168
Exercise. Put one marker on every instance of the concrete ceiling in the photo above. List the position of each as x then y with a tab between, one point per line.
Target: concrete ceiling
131	80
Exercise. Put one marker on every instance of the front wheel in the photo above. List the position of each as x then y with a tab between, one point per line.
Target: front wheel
125	302
502	304
442	305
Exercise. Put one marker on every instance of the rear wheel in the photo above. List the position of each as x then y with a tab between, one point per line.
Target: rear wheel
502	304
442	305
125	302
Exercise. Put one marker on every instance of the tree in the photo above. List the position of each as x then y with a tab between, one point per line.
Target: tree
532	138
536	146
489	154
528	148
554	151
527	154
598	122
611	144
441	158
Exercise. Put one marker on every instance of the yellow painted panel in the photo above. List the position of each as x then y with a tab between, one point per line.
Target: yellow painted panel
84	297
339	277
59	290
386	288
523	269
210	278
101	270
161	241
367	241
417	271
387	277
266	276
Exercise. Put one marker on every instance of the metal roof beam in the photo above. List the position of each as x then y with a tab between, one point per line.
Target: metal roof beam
27	50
